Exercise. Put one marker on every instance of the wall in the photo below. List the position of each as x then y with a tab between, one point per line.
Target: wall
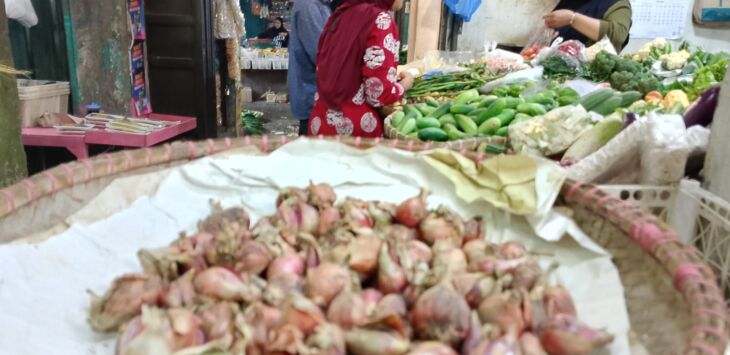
101	41
12	156
521	17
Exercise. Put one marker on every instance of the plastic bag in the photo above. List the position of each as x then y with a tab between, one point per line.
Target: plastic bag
602	45
551	133
573	52
543	38
664	150
21	11
463	8
532	74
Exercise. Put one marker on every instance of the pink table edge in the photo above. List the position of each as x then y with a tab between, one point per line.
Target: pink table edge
78	144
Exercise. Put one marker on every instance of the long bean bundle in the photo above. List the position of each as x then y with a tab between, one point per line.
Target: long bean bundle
450	84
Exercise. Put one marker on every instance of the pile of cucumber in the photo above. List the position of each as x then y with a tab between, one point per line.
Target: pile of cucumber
606	101
473	115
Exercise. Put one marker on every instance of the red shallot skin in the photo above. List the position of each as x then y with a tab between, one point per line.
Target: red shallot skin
392	304
159	331
443	224
398	233
181	292
124	300
432	348
420	251
557	300
371	342
128	333
321	195
473	230
186	329
327	339
448	260
563	334
290	263
231	220
466	282
506	345
371	297
253	258
476	249
432	319
302	313
292	195
263	319
364	252
328	218
325	281
347	310
286	339
412	211
526	274
217	322
503	309
474	337
512	250
530	344
222	284
391	276
355	214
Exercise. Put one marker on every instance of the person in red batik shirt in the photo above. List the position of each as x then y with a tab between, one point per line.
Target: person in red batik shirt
357	64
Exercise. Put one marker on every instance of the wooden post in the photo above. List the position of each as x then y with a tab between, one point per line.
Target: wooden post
717	164
12	156
424	26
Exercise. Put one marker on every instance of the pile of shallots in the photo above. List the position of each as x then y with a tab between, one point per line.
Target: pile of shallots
358	277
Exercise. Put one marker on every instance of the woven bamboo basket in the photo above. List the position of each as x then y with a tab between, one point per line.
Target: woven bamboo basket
674	303
469	144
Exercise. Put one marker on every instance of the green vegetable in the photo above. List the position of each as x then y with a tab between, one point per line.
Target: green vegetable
642	82
467	125
425	109
532	109
477	112
609	106
462	109
490	126
567	92
408	126
397	119
512	102
252	123
507	116
485	101
496	108
441	110
502	132
432	102
454	133
595	98
433	134
540	98
557	67
427	122
593	139
501	91
466	97
629	97
603	65
568	100
447	119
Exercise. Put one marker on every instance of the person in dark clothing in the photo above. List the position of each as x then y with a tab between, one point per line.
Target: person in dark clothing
590	20
277	32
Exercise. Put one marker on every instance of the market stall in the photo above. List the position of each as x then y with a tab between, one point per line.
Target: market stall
587	108
612	257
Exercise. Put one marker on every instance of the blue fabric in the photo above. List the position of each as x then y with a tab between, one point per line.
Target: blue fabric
308	18
463	8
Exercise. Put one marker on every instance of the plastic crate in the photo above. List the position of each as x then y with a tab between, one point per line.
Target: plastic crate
698	216
38	97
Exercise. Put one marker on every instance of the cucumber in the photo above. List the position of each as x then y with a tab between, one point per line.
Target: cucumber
430	101
539	99
490	126
549	94
466	97
629	97
477	112
454	133
413	135
427	122
568	100
441	110
410	109
433	134
507	116
467	125
408	126
567	92
487	100
447	119
609	106
496	108
532	109
596	98
513	102
502	132
461	109
397	119
425	109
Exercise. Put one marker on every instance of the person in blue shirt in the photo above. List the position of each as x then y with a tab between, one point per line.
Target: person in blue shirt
308	17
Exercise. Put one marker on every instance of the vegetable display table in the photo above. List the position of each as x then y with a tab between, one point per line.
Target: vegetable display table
78	144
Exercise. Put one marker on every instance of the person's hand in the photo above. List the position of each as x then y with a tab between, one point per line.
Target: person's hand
405	79
558	19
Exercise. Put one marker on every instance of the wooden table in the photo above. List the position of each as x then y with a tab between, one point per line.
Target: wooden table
78	144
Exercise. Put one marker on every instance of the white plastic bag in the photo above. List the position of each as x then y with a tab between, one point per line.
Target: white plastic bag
664	150
21	11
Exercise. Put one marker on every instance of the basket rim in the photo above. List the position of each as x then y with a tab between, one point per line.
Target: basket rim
683	263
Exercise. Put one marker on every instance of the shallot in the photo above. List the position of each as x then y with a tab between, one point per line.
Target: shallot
325	281
223	284
291	263
321	195
347	310
123	301
391	277
565	335
370	342
432	320
412	211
